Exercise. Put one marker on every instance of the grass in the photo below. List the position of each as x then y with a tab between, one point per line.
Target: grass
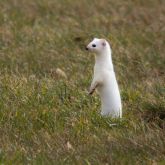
46	118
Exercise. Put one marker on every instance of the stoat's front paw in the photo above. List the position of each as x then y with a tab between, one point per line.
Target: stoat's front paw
91	91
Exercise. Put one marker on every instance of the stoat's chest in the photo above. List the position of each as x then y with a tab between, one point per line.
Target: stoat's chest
102	70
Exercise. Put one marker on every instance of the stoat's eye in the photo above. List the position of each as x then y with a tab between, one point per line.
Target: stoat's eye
93	45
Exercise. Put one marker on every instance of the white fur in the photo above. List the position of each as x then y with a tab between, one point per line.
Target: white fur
104	79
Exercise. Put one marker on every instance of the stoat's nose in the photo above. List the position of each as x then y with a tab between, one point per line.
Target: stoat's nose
86	48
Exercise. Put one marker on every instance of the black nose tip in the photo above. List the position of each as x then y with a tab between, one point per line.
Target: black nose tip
86	48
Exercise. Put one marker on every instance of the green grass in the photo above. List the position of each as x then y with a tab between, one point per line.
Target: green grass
48	119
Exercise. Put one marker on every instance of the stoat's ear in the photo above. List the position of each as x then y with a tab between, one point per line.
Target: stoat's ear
103	42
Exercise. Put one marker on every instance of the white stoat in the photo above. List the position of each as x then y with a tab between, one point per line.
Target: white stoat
104	79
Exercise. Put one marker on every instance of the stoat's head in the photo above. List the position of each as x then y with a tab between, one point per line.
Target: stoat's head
97	45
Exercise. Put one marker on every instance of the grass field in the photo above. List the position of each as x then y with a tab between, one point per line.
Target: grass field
47	117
